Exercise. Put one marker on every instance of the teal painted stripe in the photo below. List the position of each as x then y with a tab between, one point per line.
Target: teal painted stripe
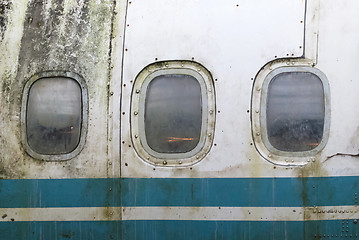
240	192
35	193
231	192
180	230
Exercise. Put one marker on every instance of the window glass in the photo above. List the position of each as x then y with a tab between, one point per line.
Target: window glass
53	118
295	111
173	113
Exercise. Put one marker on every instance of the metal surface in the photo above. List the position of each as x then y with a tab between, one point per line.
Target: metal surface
235	191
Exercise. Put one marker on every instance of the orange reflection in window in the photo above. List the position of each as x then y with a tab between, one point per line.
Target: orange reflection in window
178	139
313	144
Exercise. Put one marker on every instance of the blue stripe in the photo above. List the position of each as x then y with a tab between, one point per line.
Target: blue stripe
179	230
230	192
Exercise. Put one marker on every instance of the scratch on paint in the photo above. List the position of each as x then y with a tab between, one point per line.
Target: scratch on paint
341	154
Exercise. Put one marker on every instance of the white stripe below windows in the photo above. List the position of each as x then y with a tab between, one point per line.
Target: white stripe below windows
180	213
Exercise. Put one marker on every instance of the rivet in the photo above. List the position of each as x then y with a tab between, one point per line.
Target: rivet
198	70
210	111
209	134
136	136
258	134
292	161
164	162
137	91
182	65
197	157
110	163
286	160
180	162
110	139
111	213
136	113
111	93
269	155
166	65
148	158
209	90
258	89
257	111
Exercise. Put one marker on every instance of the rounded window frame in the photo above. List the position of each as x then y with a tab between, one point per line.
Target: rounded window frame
139	92
84	112
258	113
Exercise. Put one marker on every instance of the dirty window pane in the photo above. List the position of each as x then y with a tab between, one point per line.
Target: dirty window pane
295	111
173	113
53	118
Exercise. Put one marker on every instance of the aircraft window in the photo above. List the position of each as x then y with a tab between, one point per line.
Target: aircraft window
54	116
295	111
173	113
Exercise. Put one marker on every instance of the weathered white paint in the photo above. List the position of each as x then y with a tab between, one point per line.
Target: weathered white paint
233	43
234	48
